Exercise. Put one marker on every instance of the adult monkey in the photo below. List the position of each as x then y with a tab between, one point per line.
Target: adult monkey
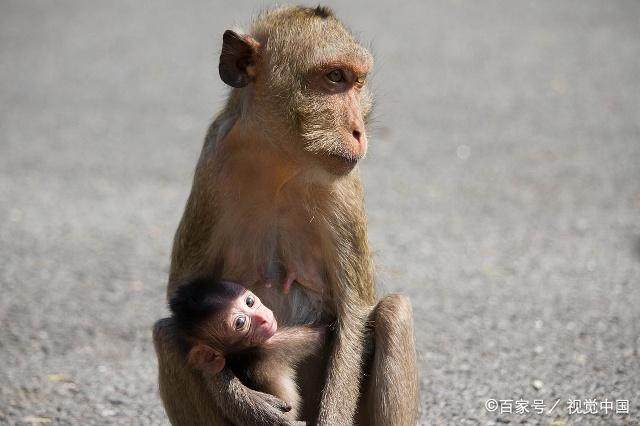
276	200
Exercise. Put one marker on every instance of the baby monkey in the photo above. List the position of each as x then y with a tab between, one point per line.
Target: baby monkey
222	323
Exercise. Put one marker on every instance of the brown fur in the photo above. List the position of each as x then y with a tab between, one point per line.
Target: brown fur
271	367
275	191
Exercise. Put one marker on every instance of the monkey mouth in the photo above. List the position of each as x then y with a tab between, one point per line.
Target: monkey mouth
345	160
269	330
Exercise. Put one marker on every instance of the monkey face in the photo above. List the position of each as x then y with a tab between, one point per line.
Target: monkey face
248	322
332	113
307	87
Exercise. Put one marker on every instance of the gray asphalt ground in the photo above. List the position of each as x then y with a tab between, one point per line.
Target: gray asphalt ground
503	191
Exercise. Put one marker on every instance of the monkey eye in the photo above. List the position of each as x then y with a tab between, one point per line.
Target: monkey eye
240	322
250	301
336	76
360	80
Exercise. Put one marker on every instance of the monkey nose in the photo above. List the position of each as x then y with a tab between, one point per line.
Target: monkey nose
261	317
360	146
357	135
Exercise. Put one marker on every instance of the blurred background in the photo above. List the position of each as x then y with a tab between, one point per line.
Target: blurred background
502	185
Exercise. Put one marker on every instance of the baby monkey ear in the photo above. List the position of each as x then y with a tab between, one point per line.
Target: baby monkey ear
205	358
238	59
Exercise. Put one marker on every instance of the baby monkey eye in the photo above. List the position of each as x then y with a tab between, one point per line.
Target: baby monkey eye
240	322
250	301
336	76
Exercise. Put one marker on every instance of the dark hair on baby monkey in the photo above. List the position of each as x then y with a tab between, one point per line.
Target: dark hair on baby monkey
198	297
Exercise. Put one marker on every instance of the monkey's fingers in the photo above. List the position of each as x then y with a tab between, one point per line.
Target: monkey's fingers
272	401
270	416
273	413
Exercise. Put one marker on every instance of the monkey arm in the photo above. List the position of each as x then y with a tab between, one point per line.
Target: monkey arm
246	406
344	371
192	243
353	298
295	343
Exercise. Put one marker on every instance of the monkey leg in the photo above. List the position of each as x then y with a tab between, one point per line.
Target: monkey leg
390	394
184	394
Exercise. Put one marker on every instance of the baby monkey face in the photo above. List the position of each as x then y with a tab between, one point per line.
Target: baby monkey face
248	321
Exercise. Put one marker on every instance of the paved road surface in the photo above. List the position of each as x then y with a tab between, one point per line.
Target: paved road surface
503	190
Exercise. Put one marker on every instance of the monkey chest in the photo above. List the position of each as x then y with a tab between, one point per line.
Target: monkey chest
276	258
282	262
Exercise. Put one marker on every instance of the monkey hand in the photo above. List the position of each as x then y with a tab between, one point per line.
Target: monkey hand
271	400
245	406
269	410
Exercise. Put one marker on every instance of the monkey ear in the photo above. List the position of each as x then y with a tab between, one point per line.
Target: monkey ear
206	358
237	59
216	365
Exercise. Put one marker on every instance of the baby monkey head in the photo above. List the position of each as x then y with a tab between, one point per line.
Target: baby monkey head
219	318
